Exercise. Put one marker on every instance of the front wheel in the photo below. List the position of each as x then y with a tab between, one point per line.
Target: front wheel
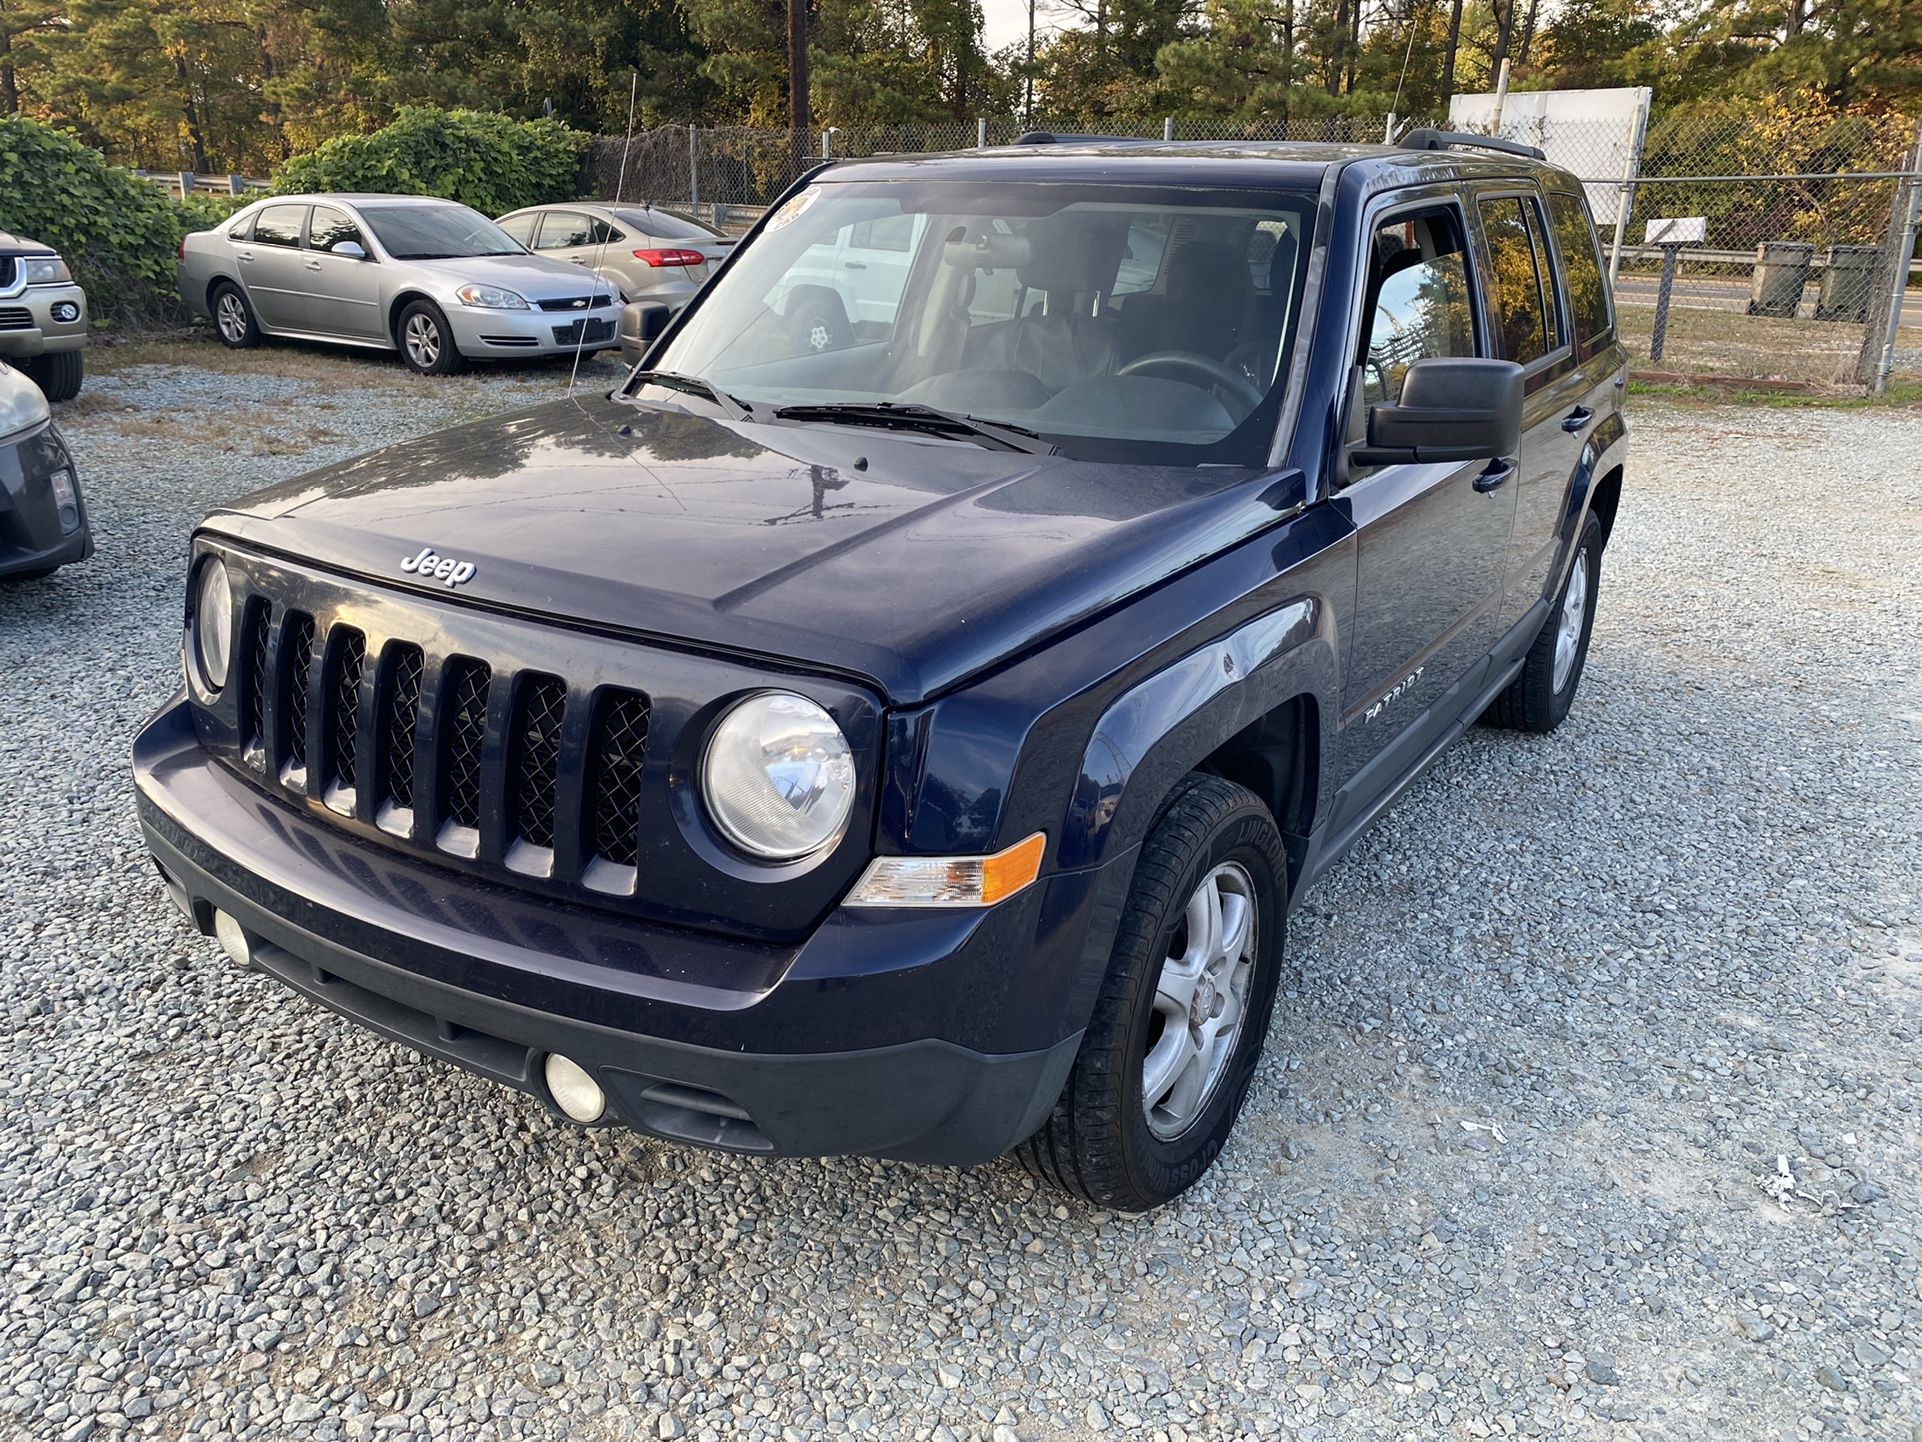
1167	1058
58	374
426	343
1539	698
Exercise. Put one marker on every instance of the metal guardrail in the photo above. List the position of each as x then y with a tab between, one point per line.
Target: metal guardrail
1702	255
181	183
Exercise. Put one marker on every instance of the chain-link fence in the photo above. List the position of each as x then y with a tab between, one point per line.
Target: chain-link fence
1791	258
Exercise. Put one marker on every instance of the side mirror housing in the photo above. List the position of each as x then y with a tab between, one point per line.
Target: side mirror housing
1450	409
642	322
352	249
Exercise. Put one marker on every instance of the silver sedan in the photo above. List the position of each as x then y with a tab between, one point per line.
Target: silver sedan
434	280
650	253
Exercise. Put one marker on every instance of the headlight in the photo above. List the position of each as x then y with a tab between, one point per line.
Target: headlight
21	402
490	297
778	776
213	623
45	270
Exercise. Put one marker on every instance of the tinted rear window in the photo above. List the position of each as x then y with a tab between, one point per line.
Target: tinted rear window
665	225
1581	271
279	225
1523	327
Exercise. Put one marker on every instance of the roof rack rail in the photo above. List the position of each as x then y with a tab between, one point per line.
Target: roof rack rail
1054	137
1457	139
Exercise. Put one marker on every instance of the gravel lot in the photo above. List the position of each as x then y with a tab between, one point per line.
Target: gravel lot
1592	1112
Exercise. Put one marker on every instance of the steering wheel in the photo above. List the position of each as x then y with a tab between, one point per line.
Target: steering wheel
1220	376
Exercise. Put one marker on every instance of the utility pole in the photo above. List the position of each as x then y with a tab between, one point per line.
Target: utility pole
1027	101
798	120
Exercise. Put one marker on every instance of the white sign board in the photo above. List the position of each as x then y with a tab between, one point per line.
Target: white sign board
1596	134
1677	230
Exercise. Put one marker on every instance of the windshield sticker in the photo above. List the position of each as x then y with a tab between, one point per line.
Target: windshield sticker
792	211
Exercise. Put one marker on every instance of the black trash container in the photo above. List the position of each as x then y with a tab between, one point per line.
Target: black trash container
1781	272
1847	283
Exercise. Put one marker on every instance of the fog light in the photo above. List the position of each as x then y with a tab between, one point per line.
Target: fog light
65	311
233	939
573	1090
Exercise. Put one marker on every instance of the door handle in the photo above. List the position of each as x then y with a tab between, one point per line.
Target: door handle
313	265
246	257
1576	419
854	265
1498	472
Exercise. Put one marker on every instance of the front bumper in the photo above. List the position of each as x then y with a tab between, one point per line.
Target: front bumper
31	536
486	334
27	324
920	1036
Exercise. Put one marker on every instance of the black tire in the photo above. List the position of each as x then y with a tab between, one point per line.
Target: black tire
439	356
817	324
20	578
233	316
1097	1143
58	374
1533	702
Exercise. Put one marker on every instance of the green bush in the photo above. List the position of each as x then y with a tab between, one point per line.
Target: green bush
491	162
118	232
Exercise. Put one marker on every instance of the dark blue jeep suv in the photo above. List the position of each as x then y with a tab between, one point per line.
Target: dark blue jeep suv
898	719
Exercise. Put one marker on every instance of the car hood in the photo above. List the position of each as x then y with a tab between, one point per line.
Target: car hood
11	244
913	564
534	277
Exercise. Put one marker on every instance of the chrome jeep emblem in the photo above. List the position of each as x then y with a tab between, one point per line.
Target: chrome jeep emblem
444	569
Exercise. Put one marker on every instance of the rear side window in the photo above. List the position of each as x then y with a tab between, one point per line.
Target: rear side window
1589	316
1525	327
279	225
521	227
564	230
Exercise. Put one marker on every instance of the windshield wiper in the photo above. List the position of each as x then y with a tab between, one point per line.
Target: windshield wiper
904	416
733	407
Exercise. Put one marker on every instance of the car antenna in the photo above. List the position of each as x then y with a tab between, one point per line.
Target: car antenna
600	251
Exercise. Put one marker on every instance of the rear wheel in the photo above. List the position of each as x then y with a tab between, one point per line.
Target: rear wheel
58	374
1171	1048
426	344
233	317
1540	697
817	324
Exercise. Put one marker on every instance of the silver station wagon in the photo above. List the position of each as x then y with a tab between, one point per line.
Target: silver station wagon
437	281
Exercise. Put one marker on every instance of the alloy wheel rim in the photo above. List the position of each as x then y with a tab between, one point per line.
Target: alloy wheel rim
818	336
423	340
1568	632
233	320
1201	1000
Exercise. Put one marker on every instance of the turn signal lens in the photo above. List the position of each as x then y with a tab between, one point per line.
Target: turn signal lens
951	880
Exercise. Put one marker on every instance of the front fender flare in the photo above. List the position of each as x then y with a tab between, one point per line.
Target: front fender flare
1158	730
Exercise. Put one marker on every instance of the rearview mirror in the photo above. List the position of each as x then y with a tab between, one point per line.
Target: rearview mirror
1450	409
352	249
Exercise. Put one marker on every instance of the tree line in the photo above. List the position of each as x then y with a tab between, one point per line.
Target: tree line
242	85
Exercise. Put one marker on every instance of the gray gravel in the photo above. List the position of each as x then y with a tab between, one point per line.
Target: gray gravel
1592	1113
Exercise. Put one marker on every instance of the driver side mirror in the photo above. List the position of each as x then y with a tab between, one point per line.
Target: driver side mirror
351	249
1452	408
644	320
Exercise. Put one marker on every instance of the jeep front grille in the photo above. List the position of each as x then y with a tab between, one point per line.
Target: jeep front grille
452	748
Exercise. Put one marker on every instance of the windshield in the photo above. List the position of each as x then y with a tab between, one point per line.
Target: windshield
1117	322
437	232
668	225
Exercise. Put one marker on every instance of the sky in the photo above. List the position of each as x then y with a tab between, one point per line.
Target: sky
1006	21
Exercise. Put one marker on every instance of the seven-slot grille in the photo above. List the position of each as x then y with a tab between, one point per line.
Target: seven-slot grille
446	734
